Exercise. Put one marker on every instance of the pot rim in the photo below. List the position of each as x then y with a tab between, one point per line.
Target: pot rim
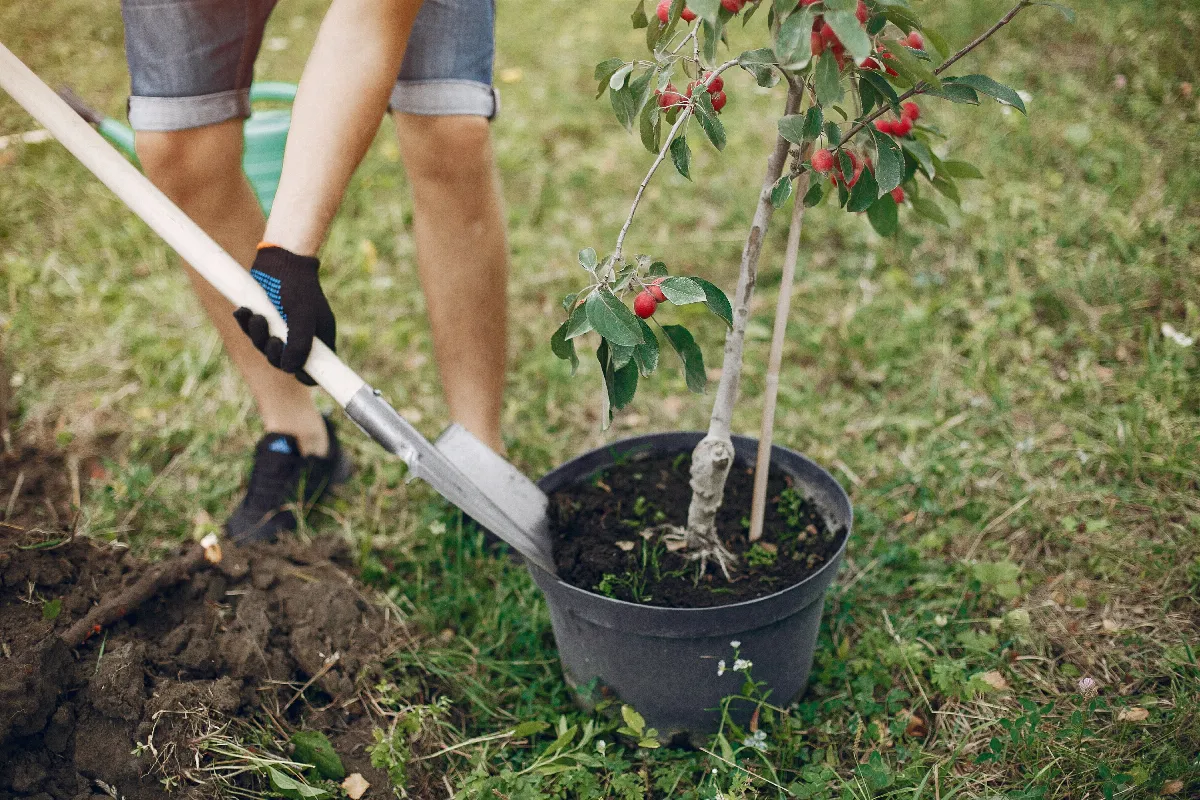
832	563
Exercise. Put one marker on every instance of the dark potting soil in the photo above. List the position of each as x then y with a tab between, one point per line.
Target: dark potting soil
603	541
280	635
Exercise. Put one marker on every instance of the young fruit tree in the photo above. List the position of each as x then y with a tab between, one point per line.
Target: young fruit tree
850	70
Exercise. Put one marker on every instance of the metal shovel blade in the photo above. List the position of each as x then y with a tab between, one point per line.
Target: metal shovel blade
482	484
518	497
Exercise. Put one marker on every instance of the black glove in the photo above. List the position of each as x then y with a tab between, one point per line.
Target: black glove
291	283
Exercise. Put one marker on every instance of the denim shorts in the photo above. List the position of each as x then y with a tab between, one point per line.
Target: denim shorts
191	61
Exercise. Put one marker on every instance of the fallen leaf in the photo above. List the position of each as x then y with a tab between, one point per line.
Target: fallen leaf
212	548
675	545
355	785
626	545
994	679
916	724
1109	625
1135	714
1172	787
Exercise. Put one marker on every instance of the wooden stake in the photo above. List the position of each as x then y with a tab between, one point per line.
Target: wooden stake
758	509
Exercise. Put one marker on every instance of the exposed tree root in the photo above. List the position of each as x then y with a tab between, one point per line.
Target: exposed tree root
107	612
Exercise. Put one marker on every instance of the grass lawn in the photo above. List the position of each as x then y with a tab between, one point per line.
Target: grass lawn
1021	442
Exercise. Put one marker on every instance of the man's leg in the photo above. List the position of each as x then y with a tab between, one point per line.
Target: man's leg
200	170
462	260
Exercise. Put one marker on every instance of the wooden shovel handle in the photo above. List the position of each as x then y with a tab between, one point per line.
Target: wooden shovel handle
184	236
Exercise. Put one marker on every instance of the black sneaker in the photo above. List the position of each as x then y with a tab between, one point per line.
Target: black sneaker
275	483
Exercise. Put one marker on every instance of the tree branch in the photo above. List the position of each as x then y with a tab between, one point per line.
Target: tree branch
731	368
921	87
662	154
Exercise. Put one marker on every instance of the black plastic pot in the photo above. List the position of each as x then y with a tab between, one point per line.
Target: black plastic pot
664	661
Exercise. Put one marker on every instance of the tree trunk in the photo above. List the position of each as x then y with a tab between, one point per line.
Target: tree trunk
713	457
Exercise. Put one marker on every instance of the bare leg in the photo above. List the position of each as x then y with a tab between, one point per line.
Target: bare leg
342	98
462	260
200	170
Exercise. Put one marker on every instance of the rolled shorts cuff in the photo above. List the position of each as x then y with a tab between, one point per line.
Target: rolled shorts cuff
447	97
180	113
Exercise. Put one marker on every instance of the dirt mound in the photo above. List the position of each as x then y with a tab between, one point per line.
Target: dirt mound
278	634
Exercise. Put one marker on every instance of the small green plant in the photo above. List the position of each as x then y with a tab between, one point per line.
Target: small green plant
760	556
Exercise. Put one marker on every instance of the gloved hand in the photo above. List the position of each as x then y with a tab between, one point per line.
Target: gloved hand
291	283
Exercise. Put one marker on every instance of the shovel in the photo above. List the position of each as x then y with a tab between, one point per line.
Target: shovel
458	466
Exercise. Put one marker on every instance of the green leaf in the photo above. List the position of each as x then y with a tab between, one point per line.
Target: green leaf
793	44
587	259
948	188
884	215
649	744
578	323
851	33
829	83
921	153
833	134
707	115
929	210
621	355
563	347
781	191
529	728
706	10
693	360
1059	7
889	162
657	269
291	788
763	55
901	17
814	118
311	747
711	37
51	609
682	291
962	170
564	739
716	300
880	84
617	79
623	386
611	319
985	85
633	719
681	155
791	127
758	63
642	87
623	106
863	193
604	71
646	353
955	93
638	17
814	195
938	42
913	68
648	127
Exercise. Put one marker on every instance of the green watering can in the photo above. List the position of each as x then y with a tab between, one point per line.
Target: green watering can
265	135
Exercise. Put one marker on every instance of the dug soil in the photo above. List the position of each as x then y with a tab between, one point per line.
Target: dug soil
274	639
607	536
